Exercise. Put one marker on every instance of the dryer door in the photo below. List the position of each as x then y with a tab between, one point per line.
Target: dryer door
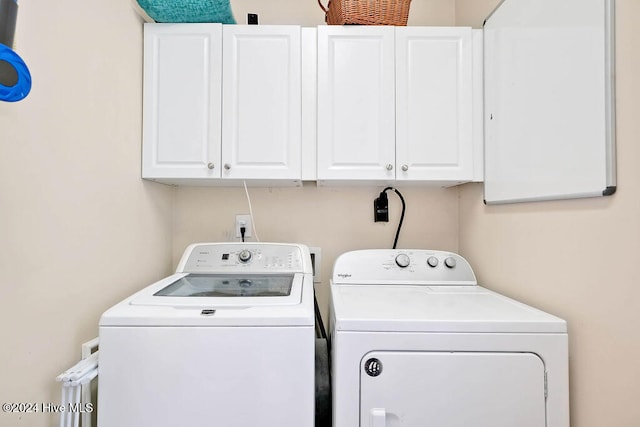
452	389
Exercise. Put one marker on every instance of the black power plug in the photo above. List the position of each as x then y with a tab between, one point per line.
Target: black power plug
381	208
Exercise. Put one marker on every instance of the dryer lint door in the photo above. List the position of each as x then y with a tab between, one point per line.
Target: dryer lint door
452	389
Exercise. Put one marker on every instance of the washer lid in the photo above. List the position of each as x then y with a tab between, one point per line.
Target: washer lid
185	299
398	308
222	290
231	286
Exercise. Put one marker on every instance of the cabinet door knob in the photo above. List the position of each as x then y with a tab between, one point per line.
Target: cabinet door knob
227	166
405	168
211	166
389	167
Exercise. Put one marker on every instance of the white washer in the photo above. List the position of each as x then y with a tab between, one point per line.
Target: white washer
415	342
228	340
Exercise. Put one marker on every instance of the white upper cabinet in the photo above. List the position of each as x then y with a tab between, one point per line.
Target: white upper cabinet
395	104
222	103
182	92
434	104
356	106
261	107
226	103
274	105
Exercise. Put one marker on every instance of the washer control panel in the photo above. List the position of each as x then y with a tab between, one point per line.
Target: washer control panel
411	266
245	257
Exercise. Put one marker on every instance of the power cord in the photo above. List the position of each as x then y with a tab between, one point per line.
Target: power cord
253	222
378	204
320	329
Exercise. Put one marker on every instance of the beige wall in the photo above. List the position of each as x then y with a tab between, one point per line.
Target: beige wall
79	230
308	12
577	259
335	219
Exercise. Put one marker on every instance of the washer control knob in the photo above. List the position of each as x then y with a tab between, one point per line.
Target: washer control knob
402	260
244	255
432	262
450	262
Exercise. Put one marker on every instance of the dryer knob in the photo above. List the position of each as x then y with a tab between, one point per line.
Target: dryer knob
450	262
432	261
244	255
403	260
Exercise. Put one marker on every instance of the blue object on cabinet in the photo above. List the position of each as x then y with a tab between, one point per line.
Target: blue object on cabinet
188	10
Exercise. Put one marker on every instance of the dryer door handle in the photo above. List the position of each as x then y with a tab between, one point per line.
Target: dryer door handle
378	417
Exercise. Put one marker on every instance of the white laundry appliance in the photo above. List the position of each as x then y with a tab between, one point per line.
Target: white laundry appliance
416	342
226	341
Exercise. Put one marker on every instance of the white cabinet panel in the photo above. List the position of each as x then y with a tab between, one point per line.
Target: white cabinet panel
222	104
261	128
309	42
549	108
182	75
356	108
434	104
395	104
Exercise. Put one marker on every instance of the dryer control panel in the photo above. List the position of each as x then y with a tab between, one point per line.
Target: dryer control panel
245	257
410	266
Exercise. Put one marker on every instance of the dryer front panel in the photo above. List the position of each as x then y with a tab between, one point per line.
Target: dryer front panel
452	389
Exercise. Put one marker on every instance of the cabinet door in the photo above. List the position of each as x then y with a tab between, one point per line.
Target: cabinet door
182	75
549	100
453	389
261	116
434	104
356	107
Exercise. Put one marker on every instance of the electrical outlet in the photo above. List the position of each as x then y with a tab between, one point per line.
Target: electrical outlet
381	208
243	221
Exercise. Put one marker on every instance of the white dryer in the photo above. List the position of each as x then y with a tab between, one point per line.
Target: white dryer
416	342
229	340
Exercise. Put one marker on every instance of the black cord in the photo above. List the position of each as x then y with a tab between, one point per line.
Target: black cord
243	230
404	207
319	323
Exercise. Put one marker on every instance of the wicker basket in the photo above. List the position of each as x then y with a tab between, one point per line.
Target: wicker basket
366	12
